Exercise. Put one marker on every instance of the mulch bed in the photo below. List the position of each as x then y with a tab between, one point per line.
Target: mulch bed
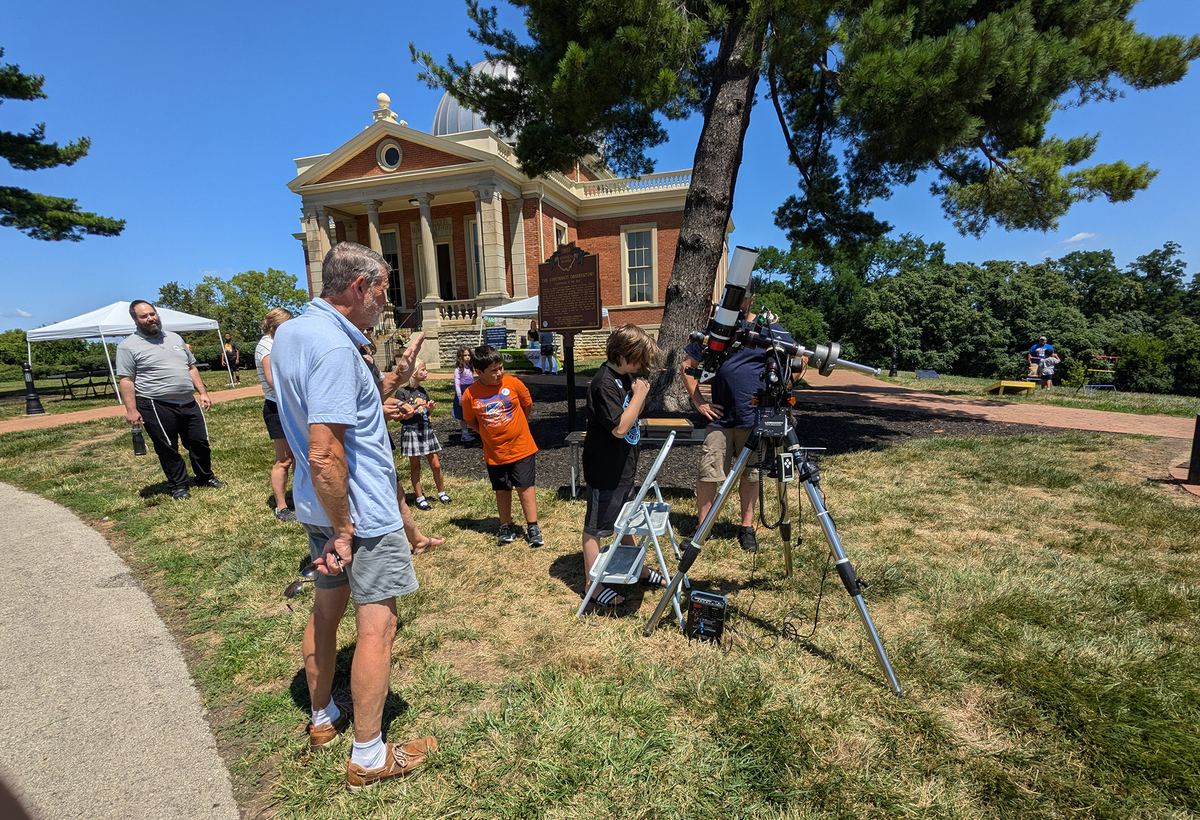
839	429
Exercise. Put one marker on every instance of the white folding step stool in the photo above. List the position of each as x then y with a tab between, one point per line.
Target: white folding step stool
645	521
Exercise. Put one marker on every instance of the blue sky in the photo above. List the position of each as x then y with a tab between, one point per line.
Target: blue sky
196	112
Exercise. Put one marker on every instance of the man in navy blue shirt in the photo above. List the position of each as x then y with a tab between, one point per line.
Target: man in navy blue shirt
730	415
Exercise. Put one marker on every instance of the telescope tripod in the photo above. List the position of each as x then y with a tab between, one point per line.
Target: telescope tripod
774	427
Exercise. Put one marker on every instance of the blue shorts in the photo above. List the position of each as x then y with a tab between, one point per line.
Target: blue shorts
381	567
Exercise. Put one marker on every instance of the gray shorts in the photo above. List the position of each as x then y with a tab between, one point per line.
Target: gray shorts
381	567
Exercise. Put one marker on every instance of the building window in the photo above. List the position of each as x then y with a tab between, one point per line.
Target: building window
638	263
389	155
389	249
560	233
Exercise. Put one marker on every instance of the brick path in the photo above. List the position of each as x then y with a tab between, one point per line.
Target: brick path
113	411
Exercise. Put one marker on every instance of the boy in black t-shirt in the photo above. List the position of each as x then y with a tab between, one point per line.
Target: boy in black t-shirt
610	449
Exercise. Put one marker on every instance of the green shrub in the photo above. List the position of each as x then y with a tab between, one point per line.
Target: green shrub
1143	366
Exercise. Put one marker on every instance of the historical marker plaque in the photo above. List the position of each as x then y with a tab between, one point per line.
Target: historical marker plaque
569	291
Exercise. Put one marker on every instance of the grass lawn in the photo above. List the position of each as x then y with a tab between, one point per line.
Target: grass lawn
12	394
1139	403
1037	596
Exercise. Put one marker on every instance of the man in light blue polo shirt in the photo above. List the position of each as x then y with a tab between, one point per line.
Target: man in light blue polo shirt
345	493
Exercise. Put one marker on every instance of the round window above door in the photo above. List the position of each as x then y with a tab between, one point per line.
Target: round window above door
389	155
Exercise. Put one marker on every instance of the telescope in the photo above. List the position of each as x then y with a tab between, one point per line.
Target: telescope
773	441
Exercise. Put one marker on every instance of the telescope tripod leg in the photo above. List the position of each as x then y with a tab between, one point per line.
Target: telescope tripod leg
693	545
846	572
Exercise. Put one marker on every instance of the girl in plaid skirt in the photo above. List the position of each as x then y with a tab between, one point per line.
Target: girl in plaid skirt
417	436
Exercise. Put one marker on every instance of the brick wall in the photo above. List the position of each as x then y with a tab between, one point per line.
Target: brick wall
603	237
416	158
534	246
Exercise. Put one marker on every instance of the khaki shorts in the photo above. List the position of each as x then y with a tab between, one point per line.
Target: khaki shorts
722	446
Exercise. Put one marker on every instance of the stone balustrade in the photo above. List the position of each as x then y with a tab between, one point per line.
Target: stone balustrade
458	311
636	185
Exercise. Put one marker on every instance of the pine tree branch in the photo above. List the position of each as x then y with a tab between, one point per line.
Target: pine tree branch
787	134
52	218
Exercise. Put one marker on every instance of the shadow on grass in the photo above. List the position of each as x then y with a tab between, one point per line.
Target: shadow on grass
486	526
151	490
393	706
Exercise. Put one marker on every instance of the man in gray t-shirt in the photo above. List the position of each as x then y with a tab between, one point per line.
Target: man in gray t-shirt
158	374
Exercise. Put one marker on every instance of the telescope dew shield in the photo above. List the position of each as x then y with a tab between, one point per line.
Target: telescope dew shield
725	315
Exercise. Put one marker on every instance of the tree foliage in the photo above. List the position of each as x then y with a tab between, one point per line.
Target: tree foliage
869	94
238	304
40	216
979	319
55	356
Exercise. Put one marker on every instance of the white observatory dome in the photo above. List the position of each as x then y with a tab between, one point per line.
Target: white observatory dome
452	118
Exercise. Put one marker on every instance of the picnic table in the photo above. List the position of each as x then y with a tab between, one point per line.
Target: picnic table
95	383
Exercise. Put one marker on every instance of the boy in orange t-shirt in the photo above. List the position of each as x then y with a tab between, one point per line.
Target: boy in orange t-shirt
497	408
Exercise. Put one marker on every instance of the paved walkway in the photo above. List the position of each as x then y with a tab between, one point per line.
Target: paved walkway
110	724
104	721
849	388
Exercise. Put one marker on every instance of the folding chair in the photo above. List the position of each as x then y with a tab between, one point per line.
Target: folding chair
646	521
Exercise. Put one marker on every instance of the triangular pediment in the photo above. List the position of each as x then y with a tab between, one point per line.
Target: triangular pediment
358	159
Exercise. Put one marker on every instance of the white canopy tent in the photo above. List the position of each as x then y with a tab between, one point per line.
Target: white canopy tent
114	321
523	308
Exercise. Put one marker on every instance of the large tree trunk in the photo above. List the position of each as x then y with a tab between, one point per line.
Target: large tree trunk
709	204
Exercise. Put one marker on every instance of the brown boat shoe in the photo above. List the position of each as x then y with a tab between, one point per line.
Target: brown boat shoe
319	737
402	758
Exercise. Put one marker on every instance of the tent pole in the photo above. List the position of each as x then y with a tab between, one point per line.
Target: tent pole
29	351
221	344
112	374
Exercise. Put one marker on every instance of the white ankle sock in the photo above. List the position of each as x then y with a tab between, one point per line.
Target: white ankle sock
370	755
327	715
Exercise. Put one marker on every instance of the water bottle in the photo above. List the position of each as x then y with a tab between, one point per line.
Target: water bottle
139	442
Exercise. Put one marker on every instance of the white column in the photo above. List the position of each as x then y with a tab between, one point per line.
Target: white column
517	247
491	237
428	254
479	249
314	248
323	231
373	226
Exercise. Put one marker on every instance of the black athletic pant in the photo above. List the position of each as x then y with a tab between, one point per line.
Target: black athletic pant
166	423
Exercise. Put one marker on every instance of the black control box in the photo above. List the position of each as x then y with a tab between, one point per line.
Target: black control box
705	616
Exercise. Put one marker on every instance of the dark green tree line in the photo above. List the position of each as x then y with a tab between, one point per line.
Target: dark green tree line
238	304
979	319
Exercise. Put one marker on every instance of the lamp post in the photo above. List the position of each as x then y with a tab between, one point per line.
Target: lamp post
895	353
33	405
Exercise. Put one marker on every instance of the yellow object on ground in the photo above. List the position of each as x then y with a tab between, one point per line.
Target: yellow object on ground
1012	387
